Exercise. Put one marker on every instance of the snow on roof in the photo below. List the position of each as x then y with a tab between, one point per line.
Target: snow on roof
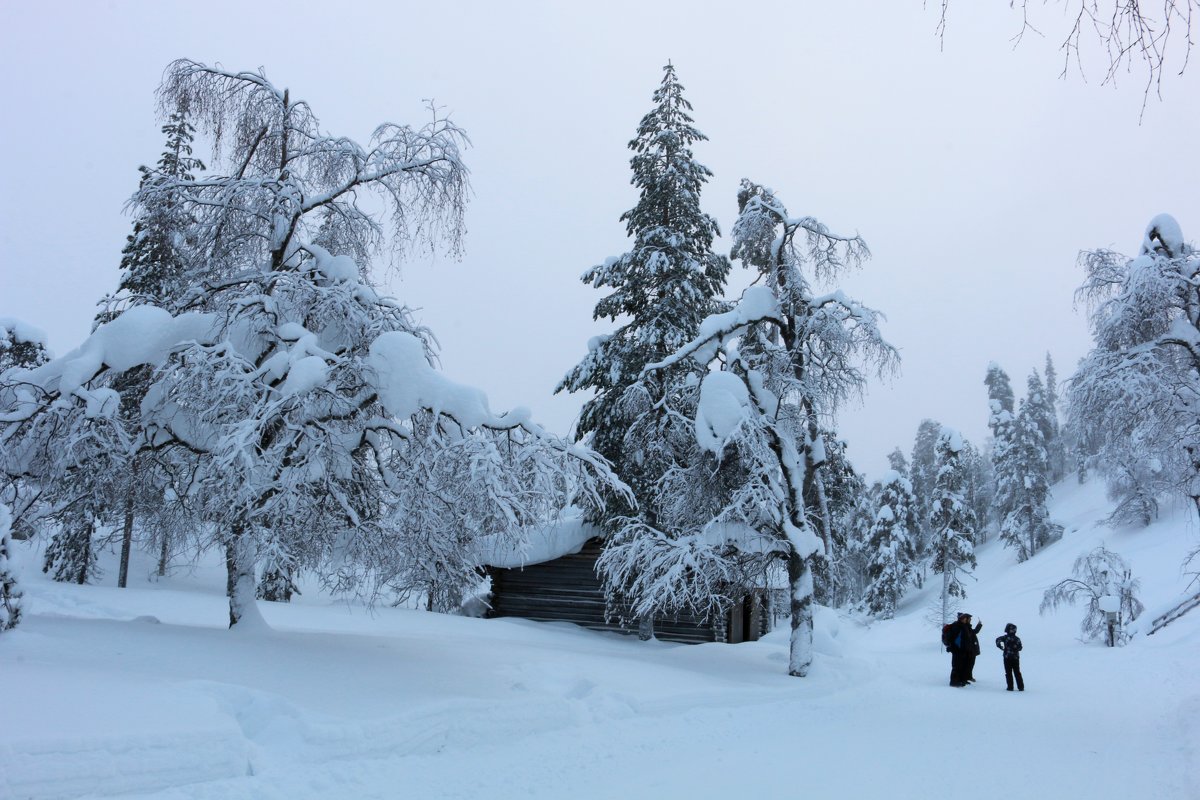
561	538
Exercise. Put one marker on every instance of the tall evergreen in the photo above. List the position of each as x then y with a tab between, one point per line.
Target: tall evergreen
154	261
155	270
844	490
1056	448
952	521
923	474
661	289
1001	422
890	547
1027	526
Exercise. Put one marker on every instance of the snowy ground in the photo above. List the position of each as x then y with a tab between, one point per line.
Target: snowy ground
98	697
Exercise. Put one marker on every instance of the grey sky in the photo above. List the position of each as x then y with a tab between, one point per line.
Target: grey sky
973	172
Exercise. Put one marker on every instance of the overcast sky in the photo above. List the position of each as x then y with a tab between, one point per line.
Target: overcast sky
973	171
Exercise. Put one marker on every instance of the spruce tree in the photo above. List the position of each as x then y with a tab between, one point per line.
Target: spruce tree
1027	527
844	490
1056	448
71	556
156	269
952	521
21	345
923	474
661	289
1001	422
890	547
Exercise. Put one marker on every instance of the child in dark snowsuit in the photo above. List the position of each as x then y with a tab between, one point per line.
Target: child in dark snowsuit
1010	643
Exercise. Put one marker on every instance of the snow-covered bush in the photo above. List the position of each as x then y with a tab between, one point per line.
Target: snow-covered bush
1100	577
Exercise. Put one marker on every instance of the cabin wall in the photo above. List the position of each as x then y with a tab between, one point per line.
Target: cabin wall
567	589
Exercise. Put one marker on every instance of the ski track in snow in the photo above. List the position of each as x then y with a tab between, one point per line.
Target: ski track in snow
97	700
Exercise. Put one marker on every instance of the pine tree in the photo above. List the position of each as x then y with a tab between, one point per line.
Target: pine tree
72	554
1056	444
156	262
1002	423
952	521
10	592
844	490
980	486
898	463
157	268
890	547
21	346
661	289
923	474
1027	526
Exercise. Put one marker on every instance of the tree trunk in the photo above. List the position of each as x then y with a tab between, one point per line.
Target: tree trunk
127	531
162	554
85	553
945	590
240	584
800	584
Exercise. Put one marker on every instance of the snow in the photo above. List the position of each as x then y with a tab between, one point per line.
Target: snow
21	331
407	383
565	537
305	375
1165	229
724	405
336	702
756	303
952	438
141	335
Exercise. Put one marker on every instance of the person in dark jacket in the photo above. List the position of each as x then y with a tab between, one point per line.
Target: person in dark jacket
963	645
1010	643
971	649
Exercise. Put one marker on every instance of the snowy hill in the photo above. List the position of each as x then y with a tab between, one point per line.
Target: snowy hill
143	692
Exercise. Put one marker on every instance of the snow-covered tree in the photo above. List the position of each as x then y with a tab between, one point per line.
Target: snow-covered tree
845	490
1097	575
1135	398
1002	422
157	268
891	547
789	357
1027	527
21	345
923	475
159	256
662	288
952	521
1056	444
306	399
10	592
897	462
980	486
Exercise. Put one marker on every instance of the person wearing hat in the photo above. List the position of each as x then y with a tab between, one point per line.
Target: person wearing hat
1010	643
964	647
